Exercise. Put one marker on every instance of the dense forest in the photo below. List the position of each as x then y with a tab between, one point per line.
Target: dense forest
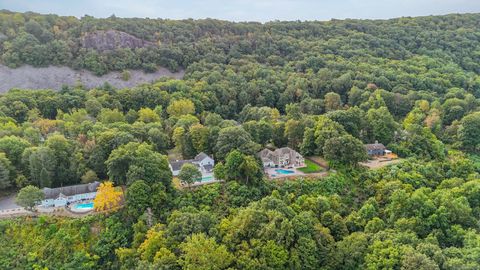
322	88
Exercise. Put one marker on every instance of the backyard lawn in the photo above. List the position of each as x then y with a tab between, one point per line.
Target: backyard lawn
311	167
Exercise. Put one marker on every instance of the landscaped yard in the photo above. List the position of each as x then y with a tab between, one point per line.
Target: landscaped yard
318	160
311	167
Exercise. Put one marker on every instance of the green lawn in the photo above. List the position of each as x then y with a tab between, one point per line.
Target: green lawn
311	167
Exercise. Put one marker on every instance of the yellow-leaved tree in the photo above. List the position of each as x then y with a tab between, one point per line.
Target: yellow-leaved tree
107	197
181	107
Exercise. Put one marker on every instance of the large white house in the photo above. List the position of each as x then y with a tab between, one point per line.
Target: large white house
203	162
281	158
70	194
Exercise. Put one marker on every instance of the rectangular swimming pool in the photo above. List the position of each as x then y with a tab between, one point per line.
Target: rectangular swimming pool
282	171
83	206
207	179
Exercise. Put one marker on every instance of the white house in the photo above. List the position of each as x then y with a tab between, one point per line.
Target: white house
281	157
63	195
203	162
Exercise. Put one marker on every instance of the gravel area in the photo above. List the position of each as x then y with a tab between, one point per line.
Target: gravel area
8	202
28	77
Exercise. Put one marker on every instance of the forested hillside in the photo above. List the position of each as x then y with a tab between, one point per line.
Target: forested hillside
322	88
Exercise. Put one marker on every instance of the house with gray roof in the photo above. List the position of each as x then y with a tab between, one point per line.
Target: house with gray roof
375	149
281	158
203	162
62	195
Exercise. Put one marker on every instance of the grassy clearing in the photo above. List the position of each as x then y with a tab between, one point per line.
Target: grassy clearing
311	167
319	160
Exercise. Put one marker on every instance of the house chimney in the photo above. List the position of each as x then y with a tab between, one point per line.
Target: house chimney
376	142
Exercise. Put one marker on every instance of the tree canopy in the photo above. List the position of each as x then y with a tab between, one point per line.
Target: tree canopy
324	89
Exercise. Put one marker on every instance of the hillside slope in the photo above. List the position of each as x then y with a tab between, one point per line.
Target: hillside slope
28	77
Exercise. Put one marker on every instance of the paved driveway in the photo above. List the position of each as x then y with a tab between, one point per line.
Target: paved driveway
8	202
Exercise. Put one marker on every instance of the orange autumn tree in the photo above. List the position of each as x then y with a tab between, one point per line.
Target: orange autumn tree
107	197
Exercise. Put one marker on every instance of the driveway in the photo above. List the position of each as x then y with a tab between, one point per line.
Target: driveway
8	202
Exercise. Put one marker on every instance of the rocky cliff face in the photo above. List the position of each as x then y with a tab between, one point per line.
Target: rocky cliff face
111	40
28	77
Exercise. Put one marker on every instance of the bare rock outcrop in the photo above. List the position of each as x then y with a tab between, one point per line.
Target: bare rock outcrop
52	77
111	40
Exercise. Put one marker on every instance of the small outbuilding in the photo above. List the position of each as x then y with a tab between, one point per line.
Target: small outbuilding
376	149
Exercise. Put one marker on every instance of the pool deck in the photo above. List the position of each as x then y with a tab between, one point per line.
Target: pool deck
272	174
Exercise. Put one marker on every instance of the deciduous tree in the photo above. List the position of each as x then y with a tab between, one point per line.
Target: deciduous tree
344	150
29	197
5	172
181	107
138	197
202	253
148	115
469	132
189	174
234	138
134	161
108	197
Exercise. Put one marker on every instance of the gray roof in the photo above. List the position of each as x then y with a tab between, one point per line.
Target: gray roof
284	150
267	155
177	165
201	156
208	167
375	146
53	193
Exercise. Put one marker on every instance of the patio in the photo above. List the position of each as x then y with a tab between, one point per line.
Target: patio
275	173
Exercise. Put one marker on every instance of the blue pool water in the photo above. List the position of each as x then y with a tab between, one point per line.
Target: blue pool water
282	171
207	178
84	206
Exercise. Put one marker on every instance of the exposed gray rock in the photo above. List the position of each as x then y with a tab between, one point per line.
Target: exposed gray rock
28	77
111	40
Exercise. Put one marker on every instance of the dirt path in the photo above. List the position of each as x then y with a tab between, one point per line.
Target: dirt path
28	77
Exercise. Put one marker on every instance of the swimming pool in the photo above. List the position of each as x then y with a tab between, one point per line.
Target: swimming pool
282	171
207	179
83	206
